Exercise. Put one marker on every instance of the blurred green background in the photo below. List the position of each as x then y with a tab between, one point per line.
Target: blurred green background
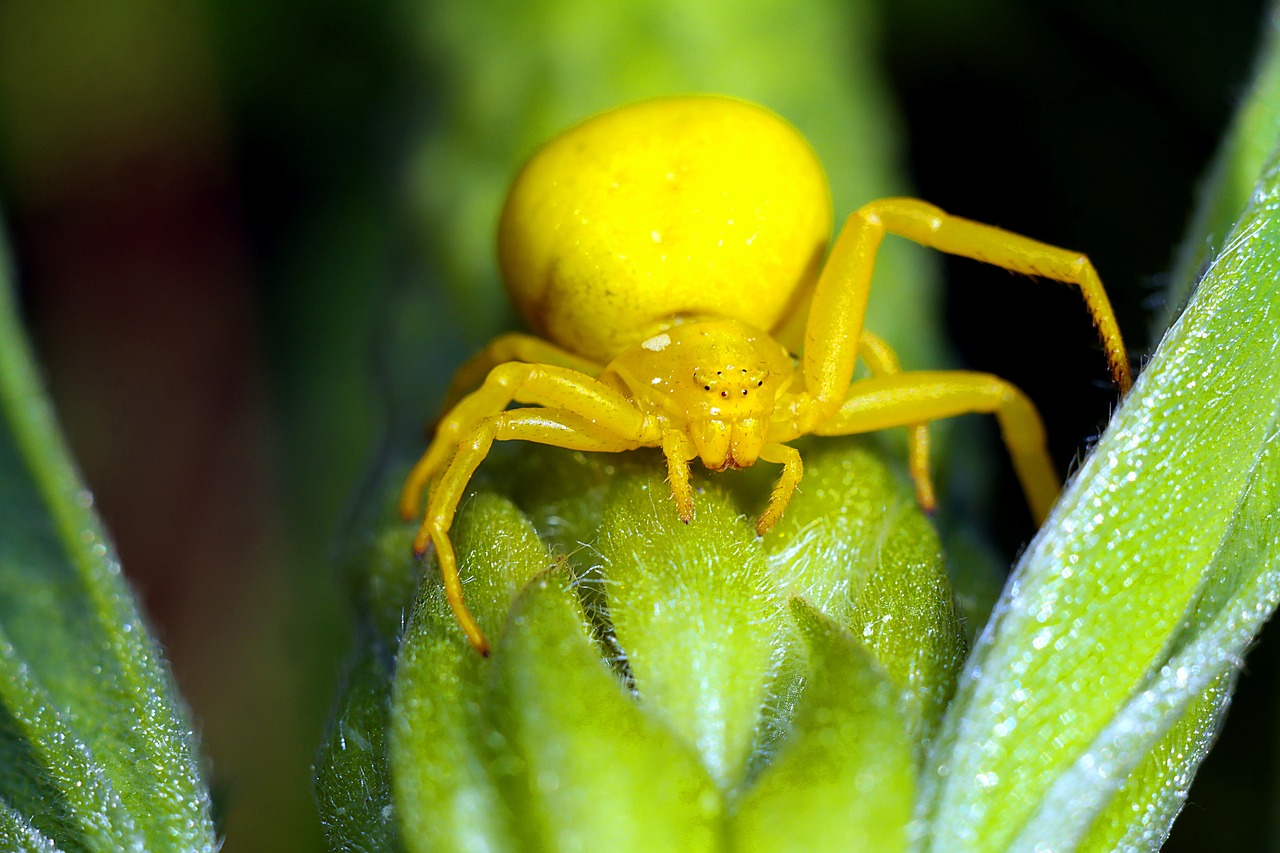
253	240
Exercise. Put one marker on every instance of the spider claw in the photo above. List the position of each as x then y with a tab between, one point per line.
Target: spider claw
926	499
685	509
684	506
765	523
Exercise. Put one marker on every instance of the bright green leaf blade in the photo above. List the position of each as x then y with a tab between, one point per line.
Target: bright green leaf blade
1241	591
1150	797
844	778
595	772
696	612
1177	494
87	799
72	637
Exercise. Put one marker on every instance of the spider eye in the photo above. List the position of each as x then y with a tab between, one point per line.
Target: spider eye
760	383
744	392
706	387
724	393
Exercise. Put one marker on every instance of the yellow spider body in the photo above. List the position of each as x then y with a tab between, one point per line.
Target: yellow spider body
657	246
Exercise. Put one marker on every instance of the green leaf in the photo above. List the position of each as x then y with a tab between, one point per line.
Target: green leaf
694	608
593	769
96	751
856	545
1152	575
444	794
844	778
17	833
1147	801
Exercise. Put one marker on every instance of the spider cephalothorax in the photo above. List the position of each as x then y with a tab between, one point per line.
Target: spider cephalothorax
725	403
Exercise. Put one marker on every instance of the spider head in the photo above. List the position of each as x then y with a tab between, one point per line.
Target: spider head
718	379
735	378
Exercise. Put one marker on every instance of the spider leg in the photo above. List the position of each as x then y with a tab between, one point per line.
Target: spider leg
792	471
536	384
840	297
542	426
881	360
929	226
679	451
914	397
511	347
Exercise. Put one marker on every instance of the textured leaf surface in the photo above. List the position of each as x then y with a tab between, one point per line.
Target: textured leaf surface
1147	801
694	608
844	778
859	548
581	742
352	776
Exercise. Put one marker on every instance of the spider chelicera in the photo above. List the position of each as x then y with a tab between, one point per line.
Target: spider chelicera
657	248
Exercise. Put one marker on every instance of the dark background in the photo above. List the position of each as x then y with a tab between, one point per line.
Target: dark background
207	206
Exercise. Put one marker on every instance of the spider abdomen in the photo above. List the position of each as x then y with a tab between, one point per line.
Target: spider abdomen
693	206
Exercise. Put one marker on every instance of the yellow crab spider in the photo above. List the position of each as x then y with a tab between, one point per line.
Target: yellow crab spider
657	249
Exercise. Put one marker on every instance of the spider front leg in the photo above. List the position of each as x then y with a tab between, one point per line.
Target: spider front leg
901	399
679	452
512	346
836	313
840	297
537	384
542	426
